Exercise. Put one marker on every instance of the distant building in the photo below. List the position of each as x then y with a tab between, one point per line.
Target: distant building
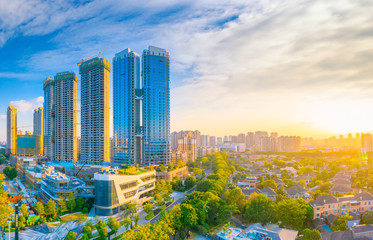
49	117
56	185
11	130
187	145
205	140
115	187
328	204
289	144
95	111
248	183
182	173
203	151
235	147
29	145
38	121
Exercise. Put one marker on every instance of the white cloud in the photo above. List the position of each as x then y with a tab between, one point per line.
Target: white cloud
27	106
2	116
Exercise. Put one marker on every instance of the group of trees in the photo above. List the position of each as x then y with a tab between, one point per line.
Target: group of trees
178	185
215	183
5	209
10	172
162	193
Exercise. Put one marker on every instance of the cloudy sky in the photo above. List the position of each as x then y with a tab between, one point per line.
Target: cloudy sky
296	67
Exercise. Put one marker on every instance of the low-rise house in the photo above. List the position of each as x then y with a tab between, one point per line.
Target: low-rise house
360	231
306	177
269	192
342	182
248	183
337	189
169	174
279	182
297	192
328	204
340	235
248	192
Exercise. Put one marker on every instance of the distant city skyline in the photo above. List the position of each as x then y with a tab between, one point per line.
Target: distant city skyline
236	66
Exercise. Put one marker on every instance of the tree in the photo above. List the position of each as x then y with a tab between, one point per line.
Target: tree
190	182
62	204
10	172
268	183
259	209
113	224
39	207
127	223
281	191
340	223
71	202
311	234
85	237
24	210
291	214
136	218
70	236
188	215
51	209
204	185
21	222
148	208
102	229
367	218
79	204
87	230
236	197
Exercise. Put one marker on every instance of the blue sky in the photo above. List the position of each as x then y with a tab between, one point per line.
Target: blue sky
296	67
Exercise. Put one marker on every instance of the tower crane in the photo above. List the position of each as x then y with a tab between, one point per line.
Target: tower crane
85	59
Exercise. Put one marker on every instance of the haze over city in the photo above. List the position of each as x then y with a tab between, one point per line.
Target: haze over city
297	68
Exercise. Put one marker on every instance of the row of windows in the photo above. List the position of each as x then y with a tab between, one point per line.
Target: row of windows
124	186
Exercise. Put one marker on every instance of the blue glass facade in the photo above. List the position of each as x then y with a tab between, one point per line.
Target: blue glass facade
126	79
156	107
142	107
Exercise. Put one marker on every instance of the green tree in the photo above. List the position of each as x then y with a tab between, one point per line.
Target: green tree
190	182
268	183
113	224
367	218
87	230
259	209
71	202
281	191
63	207
10	172
311	234
39	207
136	218
102	229
148	208
51	209
188	215
21	222
24	210
70	236
291	214
85	237
340	223
204	185
79	204
127	223
236	197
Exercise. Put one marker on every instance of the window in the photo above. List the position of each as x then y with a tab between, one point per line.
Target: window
129	194
326	213
124	186
335	211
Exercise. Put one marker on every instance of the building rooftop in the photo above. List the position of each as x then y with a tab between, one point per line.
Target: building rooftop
124	170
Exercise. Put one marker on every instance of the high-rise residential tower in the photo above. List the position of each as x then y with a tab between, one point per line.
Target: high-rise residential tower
142	107
11	130
156	107
49	116
95	105
127	100
65	98
38	121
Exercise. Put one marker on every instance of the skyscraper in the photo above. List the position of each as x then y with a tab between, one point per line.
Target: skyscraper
49	115
95	105
187	144
127	99
38	121
11	130
156	107
65	98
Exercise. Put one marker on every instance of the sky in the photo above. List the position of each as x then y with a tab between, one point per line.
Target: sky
295	67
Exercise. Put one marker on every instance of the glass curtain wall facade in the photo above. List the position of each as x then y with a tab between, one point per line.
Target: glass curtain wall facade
49	116
156	107
126	117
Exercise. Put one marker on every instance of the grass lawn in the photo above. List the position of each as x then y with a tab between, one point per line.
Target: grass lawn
81	217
